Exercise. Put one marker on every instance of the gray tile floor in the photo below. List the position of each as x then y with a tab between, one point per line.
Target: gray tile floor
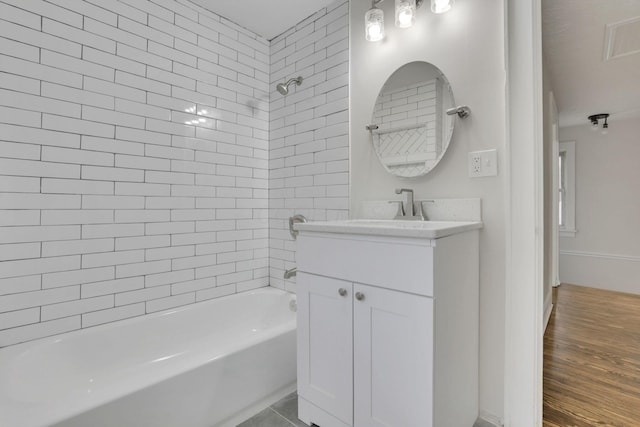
283	413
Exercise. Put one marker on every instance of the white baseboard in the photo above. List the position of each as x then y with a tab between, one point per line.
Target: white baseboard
601	270
488	420
601	255
547	317
548	308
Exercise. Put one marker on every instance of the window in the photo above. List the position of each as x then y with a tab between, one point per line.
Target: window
567	189
562	190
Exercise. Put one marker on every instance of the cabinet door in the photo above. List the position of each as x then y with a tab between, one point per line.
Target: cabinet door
393	358
325	346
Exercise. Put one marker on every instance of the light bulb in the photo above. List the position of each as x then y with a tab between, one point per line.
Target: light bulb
441	6
374	24
374	32
405	13
594	125
405	19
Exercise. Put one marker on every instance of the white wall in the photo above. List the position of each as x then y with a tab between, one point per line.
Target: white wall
112	206
467	44
309	136
605	252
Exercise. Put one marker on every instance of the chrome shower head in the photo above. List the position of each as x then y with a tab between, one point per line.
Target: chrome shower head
283	88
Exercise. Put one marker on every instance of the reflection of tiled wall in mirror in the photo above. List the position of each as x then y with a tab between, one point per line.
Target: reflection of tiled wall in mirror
410	105
410	122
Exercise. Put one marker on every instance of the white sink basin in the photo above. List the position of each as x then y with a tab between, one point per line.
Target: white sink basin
391	227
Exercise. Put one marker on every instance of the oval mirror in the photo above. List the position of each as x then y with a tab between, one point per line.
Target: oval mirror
410	129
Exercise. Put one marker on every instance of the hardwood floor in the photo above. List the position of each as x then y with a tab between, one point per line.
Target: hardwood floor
592	359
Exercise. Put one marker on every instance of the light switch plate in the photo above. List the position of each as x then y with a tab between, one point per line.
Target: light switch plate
483	163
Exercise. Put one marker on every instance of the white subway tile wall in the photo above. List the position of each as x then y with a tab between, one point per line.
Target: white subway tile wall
410	124
309	131
134	155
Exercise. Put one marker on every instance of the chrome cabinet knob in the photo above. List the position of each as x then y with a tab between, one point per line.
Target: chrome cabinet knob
342	292
359	296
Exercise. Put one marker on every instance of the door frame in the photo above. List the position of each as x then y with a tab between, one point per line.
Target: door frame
555	199
552	230
525	216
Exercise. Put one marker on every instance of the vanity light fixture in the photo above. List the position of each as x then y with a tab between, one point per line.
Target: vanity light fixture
594	122
374	23
441	6
405	11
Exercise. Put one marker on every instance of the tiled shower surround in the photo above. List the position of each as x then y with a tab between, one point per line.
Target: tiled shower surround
309	131
144	154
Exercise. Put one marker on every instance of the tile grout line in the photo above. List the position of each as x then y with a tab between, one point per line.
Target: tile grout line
282	416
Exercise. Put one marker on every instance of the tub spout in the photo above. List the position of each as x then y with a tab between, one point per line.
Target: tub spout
288	274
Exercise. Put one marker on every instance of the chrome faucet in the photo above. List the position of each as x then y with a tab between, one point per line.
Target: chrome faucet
407	210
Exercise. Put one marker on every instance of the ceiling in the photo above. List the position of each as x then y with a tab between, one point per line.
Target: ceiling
267	18
584	81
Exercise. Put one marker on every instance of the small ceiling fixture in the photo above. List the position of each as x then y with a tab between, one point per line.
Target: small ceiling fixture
594	122
405	13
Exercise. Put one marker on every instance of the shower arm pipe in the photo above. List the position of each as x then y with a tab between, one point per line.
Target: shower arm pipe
297	80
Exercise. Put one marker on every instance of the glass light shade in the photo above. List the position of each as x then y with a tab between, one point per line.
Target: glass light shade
374	24
441	6
405	13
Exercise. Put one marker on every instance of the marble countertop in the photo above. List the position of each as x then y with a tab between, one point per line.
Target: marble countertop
391	227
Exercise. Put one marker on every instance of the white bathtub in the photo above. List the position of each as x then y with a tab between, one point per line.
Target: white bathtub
208	364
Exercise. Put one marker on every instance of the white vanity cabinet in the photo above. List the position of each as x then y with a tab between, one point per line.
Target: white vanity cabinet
387	330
